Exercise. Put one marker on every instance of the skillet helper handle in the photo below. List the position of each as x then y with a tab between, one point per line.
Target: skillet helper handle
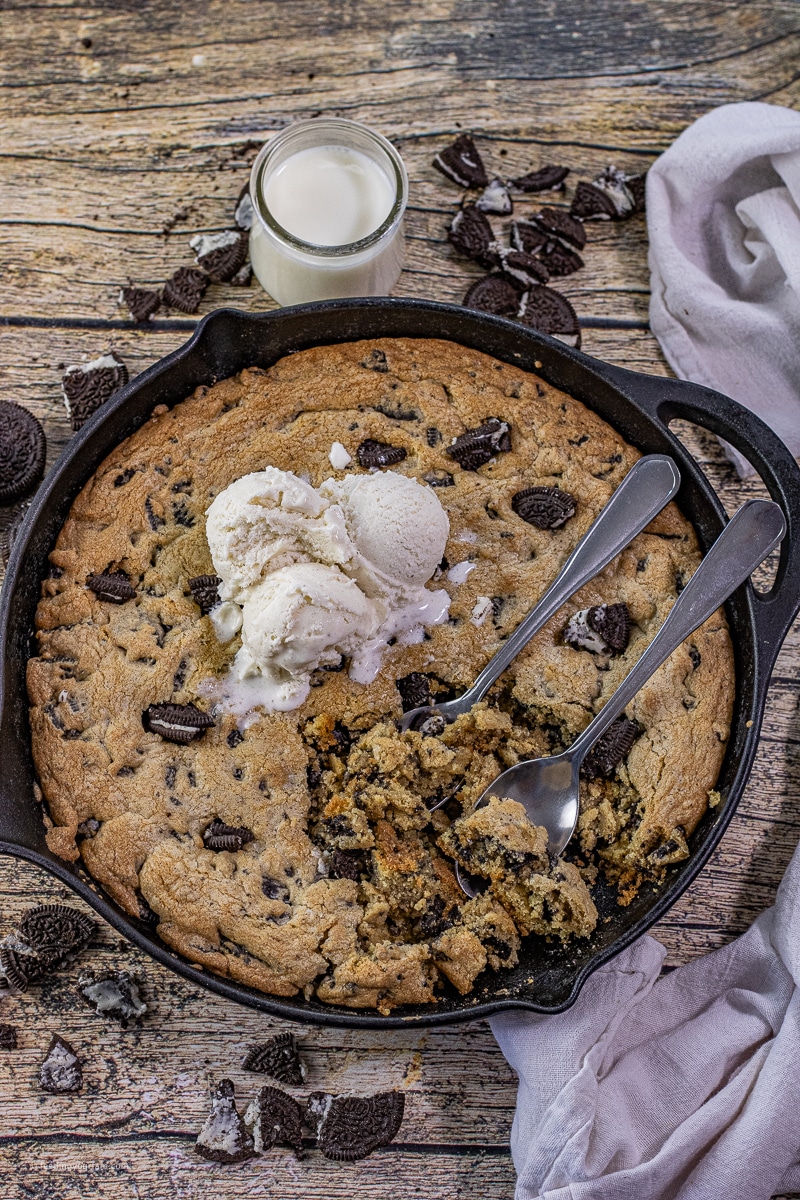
668	399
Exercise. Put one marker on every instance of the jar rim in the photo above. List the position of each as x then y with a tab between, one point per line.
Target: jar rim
340	125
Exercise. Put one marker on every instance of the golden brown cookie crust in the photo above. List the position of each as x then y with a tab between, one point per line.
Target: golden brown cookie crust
99	666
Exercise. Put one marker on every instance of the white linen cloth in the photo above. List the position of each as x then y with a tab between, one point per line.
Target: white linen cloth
684	1087
723	218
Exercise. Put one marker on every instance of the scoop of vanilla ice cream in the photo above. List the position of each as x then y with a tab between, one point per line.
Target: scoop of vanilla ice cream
304	616
267	520
396	524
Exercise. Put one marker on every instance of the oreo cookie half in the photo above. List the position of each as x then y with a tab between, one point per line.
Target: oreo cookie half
560	259
224	1136
350	1127
85	387
557	223
56	929
526	236
462	163
472	236
602	629
185	289
22	451
61	1070
590	204
495	199
545	309
545	179
220	255
275	1119
525	269
609	750
613	195
492	294
277	1057
141	303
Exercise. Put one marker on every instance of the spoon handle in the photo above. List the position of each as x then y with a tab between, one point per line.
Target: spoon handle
746	540
644	491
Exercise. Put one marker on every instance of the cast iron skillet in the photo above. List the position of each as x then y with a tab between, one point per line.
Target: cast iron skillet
547	979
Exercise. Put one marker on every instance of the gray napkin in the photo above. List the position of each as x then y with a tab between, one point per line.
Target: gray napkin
723	217
683	1087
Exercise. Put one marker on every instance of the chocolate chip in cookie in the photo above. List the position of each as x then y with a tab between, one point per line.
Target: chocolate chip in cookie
351	1127
205	591
557	223
472	236
492	294
113	994
224	1137
185	289
462	163
220	255
141	303
61	1070
372	453
545	179
601	629
276	1119
347	864
22	451
219	836
495	199
113	586
8	1037
546	310
277	1057
476	447
544	507
176	722
85	387
609	750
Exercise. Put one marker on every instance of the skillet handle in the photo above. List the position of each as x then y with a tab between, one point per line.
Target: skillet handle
666	399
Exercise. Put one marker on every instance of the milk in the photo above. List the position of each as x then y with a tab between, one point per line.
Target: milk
329	195
328	198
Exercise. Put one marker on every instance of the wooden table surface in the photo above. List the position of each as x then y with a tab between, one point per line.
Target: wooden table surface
128	128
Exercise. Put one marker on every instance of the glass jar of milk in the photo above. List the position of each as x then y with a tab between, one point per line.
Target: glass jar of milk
328	198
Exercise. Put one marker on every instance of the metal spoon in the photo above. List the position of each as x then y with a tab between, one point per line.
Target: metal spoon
548	788
644	491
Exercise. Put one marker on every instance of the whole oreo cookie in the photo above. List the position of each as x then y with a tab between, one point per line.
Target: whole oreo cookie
176	722
22	451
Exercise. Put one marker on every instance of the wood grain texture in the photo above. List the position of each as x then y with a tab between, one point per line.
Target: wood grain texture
126	129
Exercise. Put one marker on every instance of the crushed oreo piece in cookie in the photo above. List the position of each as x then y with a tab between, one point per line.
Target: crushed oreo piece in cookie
495	199
22	451
472	236
372	453
219	836
545	309
57	929
492	294
220	255
560	259
462	163
609	750
113	994
557	223
545	179
602	629
591	204
185	289
476	447
243	212
350	1127
176	722
279	1058
525	269
346	864
544	507
527	237
276	1119
376	361
415	691
205	591
224	1137
85	387
8	1037
113	586
438	479
141	303
61	1070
